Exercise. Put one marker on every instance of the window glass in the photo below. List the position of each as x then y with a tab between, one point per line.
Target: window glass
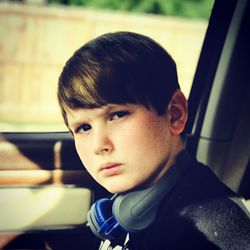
37	37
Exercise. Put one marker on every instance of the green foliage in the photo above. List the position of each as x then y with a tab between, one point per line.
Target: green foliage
182	8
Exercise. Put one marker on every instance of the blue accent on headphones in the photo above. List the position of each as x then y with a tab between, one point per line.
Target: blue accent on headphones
133	211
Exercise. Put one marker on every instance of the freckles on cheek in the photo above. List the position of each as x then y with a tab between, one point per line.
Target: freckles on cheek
126	139
133	144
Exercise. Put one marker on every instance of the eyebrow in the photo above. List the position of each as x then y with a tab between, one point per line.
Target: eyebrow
78	122
103	110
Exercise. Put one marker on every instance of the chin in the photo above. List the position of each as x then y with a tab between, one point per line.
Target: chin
117	188
118	185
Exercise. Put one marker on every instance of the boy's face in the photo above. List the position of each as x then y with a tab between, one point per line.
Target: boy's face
122	146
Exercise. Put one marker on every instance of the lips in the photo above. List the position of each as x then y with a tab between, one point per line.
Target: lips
110	169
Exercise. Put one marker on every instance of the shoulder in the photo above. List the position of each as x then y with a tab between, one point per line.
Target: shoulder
203	206
223	221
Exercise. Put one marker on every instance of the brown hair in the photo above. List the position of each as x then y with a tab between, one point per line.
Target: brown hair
118	68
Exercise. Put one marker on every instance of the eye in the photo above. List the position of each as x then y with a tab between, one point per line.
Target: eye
118	114
82	129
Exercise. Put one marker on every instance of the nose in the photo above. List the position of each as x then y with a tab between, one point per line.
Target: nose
102	142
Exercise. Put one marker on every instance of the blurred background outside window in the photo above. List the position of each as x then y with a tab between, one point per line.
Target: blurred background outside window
38	36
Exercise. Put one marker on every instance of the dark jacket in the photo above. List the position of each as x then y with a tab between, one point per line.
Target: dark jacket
199	213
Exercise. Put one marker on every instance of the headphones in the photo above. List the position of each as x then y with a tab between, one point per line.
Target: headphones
133	211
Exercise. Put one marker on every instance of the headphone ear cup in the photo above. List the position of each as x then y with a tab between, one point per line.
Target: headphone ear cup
99	212
103	210
102	222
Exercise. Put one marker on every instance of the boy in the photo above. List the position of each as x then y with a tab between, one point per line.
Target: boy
120	98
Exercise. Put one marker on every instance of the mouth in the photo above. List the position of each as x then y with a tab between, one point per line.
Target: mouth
110	169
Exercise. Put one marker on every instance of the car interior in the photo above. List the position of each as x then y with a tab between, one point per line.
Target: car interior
46	168
217	129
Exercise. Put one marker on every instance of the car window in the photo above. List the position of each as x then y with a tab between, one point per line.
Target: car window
37	37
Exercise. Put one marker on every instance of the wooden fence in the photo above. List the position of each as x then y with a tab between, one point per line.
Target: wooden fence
35	42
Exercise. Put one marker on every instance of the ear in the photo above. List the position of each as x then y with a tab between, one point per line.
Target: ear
177	112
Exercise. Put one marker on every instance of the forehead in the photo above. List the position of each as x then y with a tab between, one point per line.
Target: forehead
79	113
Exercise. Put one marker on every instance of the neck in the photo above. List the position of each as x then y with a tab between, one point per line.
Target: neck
161	170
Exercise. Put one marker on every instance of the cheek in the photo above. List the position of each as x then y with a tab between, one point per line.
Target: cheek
127	139
83	152
142	138
153	140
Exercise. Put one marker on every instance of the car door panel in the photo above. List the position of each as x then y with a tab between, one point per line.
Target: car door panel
45	191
